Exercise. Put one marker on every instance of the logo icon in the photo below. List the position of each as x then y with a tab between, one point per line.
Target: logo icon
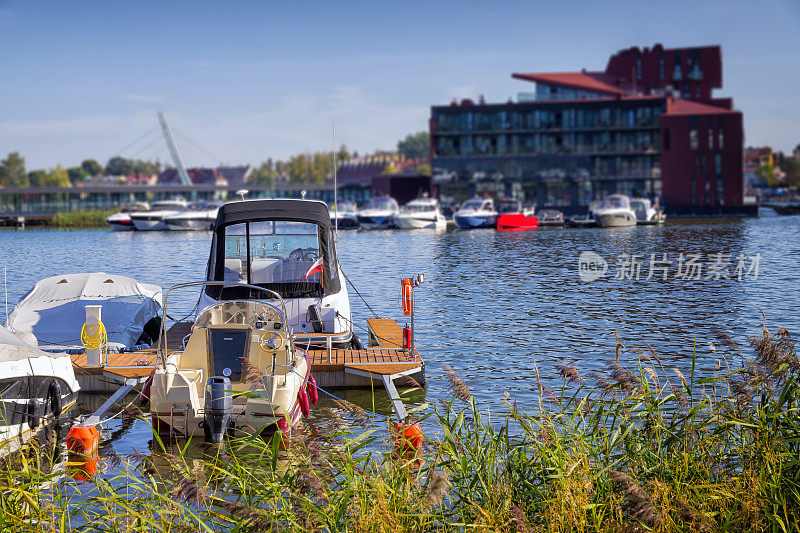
591	267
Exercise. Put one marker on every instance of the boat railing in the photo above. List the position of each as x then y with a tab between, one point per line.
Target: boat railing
206	283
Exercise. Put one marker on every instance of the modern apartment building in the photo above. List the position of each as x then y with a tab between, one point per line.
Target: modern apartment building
646	126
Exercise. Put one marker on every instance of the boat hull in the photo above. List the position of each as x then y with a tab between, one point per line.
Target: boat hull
149	224
516	222
122	226
374	222
615	220
189	224
474	221
419	223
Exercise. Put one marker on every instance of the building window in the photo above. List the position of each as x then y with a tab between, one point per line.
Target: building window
719	138
718	164
661	68
710	138
693	140
692	188
639	68
720	191
697	92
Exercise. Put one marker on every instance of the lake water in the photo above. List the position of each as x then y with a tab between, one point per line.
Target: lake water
498	305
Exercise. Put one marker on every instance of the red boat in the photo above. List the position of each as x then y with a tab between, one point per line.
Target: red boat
513	217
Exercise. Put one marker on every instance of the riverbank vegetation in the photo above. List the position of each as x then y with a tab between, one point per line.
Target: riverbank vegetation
645	448
80	219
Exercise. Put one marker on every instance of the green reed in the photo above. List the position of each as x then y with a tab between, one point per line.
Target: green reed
81	219
634	449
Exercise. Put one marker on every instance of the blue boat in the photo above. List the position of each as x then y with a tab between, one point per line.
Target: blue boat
476	213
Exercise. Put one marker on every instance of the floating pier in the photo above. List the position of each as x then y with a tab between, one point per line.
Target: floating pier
383	362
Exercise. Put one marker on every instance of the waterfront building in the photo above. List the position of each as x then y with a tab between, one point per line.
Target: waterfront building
647	126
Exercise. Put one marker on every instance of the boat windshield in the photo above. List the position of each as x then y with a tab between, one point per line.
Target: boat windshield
279	255
168	205
419	208
615	202
640	205
476	204
510	206
382	202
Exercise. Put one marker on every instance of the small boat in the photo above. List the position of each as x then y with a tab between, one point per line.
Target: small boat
513	216
291	251
153	220
344	215
476	213
614	212
196	216
240	372
422	213
54	310
550	217
646	214
581	221
122	221
36	388
379	212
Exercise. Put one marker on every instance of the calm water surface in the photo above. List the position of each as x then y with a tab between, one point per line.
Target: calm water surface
498	305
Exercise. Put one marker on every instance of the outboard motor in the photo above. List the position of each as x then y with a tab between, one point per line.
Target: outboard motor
218	408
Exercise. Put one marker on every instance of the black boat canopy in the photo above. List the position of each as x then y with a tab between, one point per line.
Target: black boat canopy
253	214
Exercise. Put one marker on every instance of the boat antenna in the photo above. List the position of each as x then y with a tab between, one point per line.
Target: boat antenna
335	187
5	285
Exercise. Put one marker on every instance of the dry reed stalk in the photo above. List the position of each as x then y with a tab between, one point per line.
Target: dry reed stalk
457	388
636	501
360	416
569	373
437	491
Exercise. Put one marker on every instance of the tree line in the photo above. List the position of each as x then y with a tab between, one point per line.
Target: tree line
312	168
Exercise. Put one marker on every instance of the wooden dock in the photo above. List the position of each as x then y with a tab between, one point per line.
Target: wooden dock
384	361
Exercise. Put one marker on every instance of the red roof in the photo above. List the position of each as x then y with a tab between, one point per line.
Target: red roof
678	106
588	81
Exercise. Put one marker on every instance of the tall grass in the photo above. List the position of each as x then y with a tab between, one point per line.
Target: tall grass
81	219
628	449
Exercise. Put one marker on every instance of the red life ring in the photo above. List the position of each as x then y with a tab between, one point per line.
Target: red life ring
407	297
302	399
313	393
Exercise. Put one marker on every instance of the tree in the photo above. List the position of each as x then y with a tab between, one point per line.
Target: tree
92	167
12	171
791	167
119	166
77	174
415	145
264	174
37	178
424	169
57	177
766	173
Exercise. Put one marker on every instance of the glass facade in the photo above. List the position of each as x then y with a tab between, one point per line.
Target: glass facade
565	152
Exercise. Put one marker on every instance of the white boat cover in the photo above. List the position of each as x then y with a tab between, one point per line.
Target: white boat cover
54	310
13	348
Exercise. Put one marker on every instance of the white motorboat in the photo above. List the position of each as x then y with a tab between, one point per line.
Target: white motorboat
379	212
614	212
550	217
286	246
122	221
36	388
54	310
344	215
421	213
240	372
153	220
196	216
646	214
476	213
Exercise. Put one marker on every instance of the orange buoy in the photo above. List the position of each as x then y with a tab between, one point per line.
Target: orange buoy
409	437
82	443
407	296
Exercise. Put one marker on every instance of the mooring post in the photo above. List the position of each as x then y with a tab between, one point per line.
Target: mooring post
93	355
329	343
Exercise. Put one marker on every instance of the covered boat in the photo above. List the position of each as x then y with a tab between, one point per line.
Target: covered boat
286	246
344	215
476	213
421	213
54	309
614	212
36	388
379	212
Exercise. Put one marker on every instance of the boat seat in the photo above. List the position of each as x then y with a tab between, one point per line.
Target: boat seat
233	269
262	270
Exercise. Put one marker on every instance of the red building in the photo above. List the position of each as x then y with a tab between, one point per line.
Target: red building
648	125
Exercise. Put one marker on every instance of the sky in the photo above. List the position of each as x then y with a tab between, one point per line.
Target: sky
244	81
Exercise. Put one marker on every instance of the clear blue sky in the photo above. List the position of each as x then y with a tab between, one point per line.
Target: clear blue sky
250	80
